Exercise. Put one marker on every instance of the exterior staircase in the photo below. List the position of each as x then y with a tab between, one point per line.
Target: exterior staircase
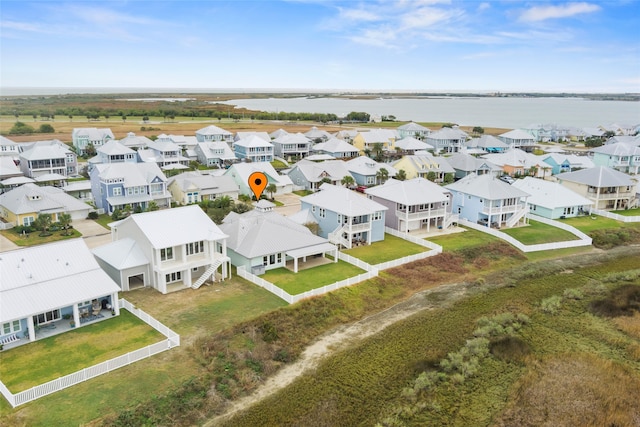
210	271
517	216
450	219
336	238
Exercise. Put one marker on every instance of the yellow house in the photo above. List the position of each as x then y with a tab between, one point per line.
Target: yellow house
22	205
193	187
366	140
419	166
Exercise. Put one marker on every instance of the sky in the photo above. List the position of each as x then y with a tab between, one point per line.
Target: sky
402	45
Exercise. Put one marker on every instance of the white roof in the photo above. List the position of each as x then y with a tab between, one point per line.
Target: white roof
17	180
486	186
425	162
263	135
335	145
343	201
549	194
252	141
77	185
516	157
618	149
50	177
413	144
448	134
93	133
364	165
278	133
486	141
412	126
517	134
598	176
415	191
244	171
46	277
319	157
114	147
314	132
291	138
216	150
205	184
316	171
468	163
44	150
131	140
134	174
379	135
8	167
212	130
121	254
254	234
31	198
303	216
162	230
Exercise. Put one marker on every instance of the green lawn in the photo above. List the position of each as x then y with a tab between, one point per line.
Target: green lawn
104	220
592	223
36	363
537	232
32	239
312	278
467	239
389	249
277	164
303	193
628	212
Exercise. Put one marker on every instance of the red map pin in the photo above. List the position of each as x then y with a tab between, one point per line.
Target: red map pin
258	182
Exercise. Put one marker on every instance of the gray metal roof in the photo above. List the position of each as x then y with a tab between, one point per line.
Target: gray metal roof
121	254
486	187
343	201
415	191
598	177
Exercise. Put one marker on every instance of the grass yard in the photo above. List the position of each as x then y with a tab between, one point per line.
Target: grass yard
312	278
592	223
390	248
45	360
104	220
32	239
467	239
537	232
303	193
628	212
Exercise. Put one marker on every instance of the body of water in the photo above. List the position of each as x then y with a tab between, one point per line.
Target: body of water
510	113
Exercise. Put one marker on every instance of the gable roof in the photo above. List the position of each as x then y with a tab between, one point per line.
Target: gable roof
254	234
343	201
468	163
378	135
42	150
487	141
415	191
291	138
31	198
213	130
414	127
486	187
314	171
516	134
549	194
424	162
448	133
252	141
134	174
121	254
160	226
335	145
618	149
206	184
366	166
598	176
113	147
263	135
413	144
45	277
216	150
244	170
92	134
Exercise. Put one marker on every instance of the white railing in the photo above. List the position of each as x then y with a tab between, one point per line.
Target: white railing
173	340
434	250
355	261
433	213
517	216
617	217
529	248
6	225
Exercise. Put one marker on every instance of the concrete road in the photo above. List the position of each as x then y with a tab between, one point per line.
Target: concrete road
291	204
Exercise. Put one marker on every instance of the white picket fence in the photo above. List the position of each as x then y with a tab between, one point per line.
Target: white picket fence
173	340
617	217
583	239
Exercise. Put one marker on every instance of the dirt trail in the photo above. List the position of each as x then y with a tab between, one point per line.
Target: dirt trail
340	338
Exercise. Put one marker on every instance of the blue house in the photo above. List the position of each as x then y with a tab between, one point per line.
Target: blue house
117	185
345	217
253	148
366	171
488	201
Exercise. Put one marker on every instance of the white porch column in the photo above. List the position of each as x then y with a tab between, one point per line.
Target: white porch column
295	264
370	229
114	303
32	328
76	315
335	256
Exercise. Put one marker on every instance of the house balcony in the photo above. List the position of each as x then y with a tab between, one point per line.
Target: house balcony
412	216
509	209
356	228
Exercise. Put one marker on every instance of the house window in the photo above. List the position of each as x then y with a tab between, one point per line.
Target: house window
11	327
27	220
166	254
377	216
173	277
272	259
195	247
117	191
48	317
322	213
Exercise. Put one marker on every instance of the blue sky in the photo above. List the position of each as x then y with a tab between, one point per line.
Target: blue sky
330	45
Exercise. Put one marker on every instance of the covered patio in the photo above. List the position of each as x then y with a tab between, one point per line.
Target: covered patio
317	254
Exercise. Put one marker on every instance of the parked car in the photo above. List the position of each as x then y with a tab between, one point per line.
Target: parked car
361	188
507	179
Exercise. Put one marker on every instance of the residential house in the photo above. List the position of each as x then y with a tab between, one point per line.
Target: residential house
214	133
80	190
135	142
626	139
518	138
47	157
254	149
415	204
336	148
486	144
465	164
291	146
82	137
368	172
8	168
488	201
607	188
547	132
118	185
516	162
561	162
413	130
185	142
346	135
165	154
620	128
262	135
214	153
345	217
278	133
14	182
194	187
183	245
317	135
552	200
113	152
411	145
9	148
261	241
447	140
240	172
23	204
45	288
311	175
619	156
424	166
125	263
366	141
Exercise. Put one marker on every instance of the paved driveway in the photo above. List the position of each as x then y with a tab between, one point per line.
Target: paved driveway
291	204
93	233
6	244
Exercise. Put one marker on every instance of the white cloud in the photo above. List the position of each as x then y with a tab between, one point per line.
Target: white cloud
483	6
21	26
542	13
358	15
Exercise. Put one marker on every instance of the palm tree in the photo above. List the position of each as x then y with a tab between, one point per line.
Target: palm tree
377	150
43	222
152	206
347	181
382	175
401	175
271	188
65	221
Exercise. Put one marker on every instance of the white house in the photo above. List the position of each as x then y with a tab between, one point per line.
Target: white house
46	287
183	245
552	200
240	172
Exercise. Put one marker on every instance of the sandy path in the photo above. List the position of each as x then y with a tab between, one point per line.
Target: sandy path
340	338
